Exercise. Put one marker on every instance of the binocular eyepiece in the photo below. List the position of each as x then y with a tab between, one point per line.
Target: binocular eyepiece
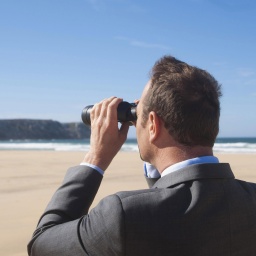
126	112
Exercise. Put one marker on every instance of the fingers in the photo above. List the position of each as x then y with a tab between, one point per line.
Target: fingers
112	109
136	101
102	112
105	132
105	114
105	110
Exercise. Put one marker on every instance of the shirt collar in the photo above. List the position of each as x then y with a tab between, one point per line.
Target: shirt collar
197	160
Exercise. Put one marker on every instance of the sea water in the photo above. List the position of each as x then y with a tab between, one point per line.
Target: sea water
222	145
235	145
59	145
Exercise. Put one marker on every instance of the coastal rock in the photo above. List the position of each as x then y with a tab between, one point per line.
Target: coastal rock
20	129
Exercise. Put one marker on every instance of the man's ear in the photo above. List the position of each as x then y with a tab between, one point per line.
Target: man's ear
154	126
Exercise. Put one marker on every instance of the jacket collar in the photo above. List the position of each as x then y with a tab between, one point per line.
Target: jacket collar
195	172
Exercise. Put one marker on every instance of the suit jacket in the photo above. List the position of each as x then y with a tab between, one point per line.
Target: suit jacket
199	210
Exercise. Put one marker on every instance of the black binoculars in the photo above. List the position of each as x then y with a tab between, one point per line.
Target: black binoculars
126	112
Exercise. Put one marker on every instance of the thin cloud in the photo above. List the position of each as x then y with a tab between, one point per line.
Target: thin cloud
245	72
137	9
99	5
197	1
96	4
251	82
137	43
234	6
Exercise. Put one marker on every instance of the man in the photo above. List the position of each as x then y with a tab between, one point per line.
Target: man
194	207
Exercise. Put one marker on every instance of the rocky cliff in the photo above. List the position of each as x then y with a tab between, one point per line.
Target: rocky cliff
19	129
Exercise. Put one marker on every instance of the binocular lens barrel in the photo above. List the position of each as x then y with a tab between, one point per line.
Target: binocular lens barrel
126	112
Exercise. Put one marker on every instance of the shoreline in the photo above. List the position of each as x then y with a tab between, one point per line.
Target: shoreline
28	179
222	145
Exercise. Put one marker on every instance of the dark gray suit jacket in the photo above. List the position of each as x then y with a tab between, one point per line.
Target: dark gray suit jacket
200	210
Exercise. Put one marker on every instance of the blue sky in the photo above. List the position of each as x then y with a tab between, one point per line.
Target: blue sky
57	56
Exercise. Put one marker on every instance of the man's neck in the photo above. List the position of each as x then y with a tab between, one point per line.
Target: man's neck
172	155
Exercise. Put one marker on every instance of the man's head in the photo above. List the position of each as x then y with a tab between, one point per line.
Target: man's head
186	99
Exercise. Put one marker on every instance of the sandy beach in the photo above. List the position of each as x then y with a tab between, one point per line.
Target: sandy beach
29	178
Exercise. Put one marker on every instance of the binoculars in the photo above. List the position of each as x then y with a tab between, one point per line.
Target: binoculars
126	112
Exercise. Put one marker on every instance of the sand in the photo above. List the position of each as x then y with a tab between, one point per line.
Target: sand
29	178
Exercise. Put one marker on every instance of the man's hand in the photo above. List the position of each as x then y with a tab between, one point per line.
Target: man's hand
106	137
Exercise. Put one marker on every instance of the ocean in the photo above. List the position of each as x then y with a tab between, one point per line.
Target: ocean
222	145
